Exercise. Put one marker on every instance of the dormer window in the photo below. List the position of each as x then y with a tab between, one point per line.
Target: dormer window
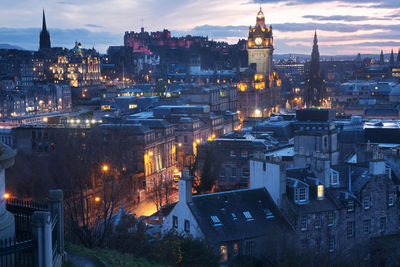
234	217
334	178
301	194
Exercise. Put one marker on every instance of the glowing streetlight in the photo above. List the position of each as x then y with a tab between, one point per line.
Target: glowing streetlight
150	153
6	195
97	199
105	167
179	144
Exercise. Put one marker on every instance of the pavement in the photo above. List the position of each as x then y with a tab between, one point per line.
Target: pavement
147	206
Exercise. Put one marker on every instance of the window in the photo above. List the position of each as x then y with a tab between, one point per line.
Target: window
234	217
185	139
215	220
175	222
233	172
248	216
317	246
350	205
320	192
332	244
235	249
301	194
350	229
331	218
249	248
367	202
382	224
334	177
245	154
268	214
303	222
317	221
391	199
325	142
222	172
264	166
223	251
367	226
233	154
187	226
245	172
132	106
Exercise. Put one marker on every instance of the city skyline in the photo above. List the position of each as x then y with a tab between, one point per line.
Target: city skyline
346	27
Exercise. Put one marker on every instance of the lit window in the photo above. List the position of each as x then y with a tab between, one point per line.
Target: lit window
132	106
223	253
233	154
268	214
244	153
248	216
175	222
215	220
235	249
320	192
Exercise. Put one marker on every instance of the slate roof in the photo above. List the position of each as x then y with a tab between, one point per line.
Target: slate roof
224	204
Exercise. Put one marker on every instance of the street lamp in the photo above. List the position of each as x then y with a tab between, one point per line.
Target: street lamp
6	195
97	199
105	167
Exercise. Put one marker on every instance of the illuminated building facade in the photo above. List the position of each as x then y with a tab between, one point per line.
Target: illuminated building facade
259	86
261	46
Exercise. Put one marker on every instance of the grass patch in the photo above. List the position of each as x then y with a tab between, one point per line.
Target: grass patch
103	258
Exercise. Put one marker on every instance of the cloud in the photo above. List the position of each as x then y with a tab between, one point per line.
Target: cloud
342	18
93	26
368	3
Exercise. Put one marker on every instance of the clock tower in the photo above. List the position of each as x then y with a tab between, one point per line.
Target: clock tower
261	46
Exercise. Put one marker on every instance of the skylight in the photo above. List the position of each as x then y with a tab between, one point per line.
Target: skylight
234	217
248	216
216	220
268	214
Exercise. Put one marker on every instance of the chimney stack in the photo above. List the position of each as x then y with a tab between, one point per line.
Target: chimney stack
185	187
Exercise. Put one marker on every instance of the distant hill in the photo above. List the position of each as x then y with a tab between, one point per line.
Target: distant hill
8	46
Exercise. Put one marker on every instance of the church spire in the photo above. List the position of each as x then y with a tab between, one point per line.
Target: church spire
44	42
44	28
391	62
398	58
315	86
382	58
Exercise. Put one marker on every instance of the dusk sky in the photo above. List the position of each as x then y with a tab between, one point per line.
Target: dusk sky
344	27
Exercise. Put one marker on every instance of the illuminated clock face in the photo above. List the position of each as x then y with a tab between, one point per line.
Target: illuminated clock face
258	41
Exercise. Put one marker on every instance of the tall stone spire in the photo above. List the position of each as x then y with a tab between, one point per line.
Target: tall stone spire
44	35
382	58
398	58
391	62
315	85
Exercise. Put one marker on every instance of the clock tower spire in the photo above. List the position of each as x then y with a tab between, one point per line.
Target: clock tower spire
260	46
